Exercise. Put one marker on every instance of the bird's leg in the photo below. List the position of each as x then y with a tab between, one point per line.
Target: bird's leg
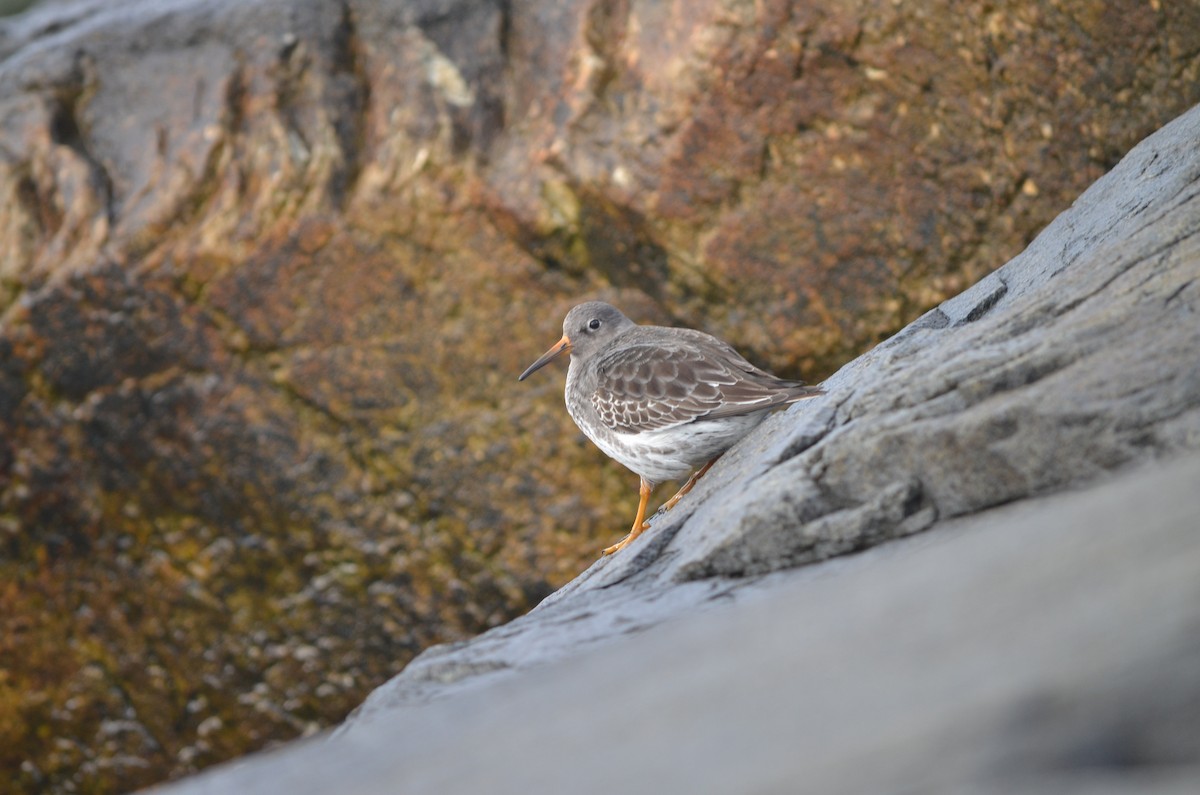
669	504
639	523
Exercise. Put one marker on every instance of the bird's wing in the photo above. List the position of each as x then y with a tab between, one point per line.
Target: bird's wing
646	387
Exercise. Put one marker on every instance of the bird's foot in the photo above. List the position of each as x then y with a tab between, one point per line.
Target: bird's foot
627	540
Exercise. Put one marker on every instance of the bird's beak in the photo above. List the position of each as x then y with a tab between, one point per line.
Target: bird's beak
562	346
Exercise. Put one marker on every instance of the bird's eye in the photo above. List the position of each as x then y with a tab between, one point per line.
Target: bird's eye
594	324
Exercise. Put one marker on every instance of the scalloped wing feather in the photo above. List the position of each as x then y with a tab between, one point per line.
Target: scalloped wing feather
649	387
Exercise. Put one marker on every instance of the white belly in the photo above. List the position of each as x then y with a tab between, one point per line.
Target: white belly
673	453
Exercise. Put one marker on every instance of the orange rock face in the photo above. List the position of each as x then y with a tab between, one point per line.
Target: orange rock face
268	272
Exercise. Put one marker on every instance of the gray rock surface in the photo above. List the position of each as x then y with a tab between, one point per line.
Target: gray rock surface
1038	647
1026	641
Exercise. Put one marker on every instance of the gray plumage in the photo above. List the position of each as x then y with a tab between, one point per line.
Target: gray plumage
661	401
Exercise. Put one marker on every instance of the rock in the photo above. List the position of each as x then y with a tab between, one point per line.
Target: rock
268	270
1046	646
1030	448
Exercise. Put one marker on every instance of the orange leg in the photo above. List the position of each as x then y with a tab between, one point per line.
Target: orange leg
669	504
639	524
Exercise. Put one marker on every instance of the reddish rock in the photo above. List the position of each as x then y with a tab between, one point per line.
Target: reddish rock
268	271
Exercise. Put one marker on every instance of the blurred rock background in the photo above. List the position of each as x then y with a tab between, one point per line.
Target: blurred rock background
269	268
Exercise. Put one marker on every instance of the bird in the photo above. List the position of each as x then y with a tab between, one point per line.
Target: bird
664	402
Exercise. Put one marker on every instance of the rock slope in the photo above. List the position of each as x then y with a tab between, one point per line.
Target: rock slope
1031	448
267	268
